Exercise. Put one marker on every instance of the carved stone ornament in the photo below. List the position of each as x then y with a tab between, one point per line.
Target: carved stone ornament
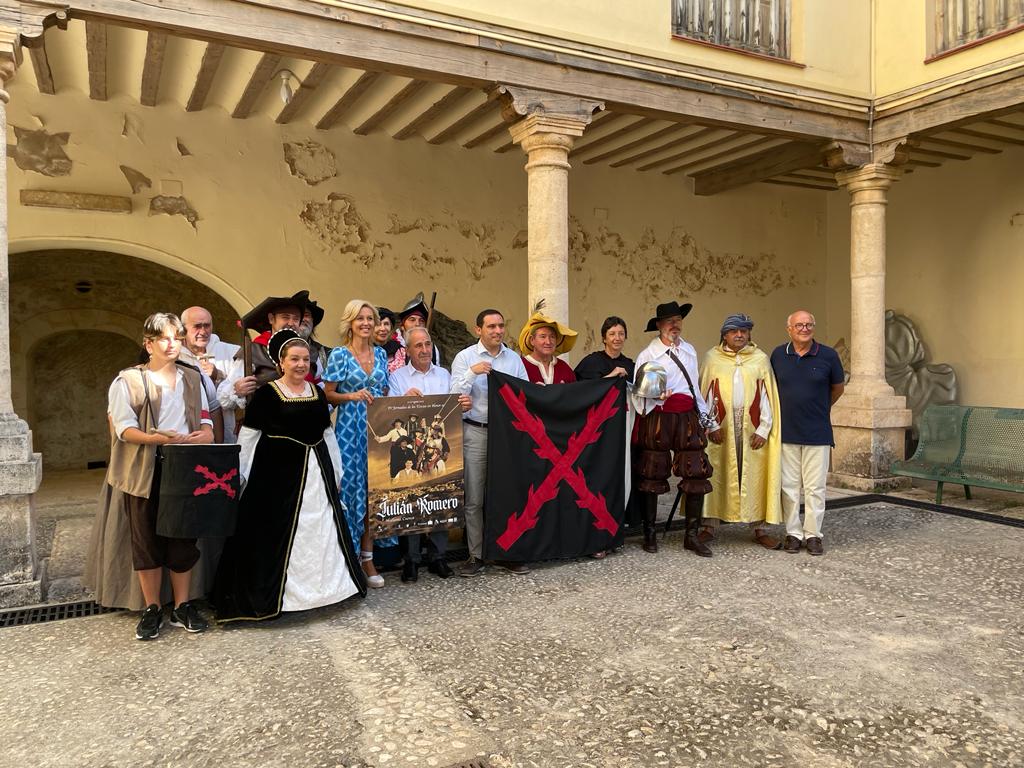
909	373
518	103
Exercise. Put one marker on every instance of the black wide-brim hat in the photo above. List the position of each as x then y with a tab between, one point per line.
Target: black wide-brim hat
665	311
256	318
415	304
316	310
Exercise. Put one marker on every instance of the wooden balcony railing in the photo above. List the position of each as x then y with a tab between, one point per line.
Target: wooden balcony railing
961	22
755	26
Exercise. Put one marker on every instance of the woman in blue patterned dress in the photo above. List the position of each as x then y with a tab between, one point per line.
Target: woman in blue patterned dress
357	372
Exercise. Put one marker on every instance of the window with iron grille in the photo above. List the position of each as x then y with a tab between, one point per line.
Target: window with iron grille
959	23
754	26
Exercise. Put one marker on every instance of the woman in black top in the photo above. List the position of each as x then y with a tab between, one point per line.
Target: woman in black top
609	361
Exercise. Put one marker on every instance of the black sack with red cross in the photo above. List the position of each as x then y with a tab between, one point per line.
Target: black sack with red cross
556	464
199	489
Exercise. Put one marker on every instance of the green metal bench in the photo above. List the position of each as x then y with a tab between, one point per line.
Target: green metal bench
969	446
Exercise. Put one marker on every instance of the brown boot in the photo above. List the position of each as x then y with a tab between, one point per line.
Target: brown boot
694	511
650	515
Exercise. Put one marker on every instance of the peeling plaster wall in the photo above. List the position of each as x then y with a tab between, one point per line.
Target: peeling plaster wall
401	216
955	267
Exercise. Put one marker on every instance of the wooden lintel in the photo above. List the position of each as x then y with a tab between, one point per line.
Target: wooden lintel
661	133
76	201
257	82
699	135
96	55
156	46
487	135
982	99
393	104
471	117
364	38
41	66
775	161
618	133
436	109
310	83
755	141
350	97
204	80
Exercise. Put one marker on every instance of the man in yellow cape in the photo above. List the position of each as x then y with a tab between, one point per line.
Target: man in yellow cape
745	438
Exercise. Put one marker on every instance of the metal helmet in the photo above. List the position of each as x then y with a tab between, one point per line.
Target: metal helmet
649	380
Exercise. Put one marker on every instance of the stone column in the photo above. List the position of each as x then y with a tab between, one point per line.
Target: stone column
545	126
20	468
870	420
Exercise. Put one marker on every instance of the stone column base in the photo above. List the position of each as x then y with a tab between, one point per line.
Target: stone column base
20	474
869	434
21	594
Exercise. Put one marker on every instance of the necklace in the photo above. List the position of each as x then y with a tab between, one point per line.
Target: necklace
366	362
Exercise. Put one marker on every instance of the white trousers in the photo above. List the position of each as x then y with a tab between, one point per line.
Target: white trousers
804	469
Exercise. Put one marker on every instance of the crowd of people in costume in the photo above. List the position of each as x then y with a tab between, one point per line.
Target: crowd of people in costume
747	435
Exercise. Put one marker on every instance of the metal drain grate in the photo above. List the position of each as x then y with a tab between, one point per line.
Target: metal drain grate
41	613
477	763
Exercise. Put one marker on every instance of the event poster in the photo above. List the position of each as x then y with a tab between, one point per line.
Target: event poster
415	464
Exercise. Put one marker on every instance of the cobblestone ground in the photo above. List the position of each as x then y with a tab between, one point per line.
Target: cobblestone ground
903	646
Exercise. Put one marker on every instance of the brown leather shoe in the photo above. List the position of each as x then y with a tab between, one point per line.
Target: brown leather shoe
768	542
694	544
705	535
792	545
814	546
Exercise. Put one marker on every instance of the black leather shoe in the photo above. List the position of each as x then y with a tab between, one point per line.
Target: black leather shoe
792	545
814	546
440	568
410	571
693	543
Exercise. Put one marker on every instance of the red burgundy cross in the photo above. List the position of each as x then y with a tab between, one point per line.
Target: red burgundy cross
562	465
216	481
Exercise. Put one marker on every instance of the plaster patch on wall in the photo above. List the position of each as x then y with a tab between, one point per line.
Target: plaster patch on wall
138	180
521	240
398	227
310	161
131	127
339	225
427	259
182	149
41	152
580	244
174	206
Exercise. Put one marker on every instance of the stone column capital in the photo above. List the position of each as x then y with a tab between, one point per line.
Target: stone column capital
872	177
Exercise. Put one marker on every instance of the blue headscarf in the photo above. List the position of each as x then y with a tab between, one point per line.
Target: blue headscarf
737	322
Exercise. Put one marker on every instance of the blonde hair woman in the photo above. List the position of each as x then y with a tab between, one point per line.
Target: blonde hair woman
357	372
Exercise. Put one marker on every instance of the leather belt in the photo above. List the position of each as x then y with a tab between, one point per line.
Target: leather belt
475	423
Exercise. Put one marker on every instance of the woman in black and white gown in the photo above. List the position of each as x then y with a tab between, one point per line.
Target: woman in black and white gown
291	550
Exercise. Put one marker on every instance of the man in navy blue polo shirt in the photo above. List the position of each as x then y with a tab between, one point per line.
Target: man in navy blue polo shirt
810	379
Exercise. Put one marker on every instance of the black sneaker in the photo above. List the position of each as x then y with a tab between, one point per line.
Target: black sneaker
187	617
149	625
472	567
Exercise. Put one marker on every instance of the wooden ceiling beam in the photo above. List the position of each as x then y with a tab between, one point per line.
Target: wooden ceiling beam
264	71
923	163
668	130
1006	124
156	47
487	135
960	145
307	88
409	90
96	54
204	80
731	136
41	66
754	142
435	110
802	184
988	136
683	140
471	117
333	116
916	150
618	133
772	162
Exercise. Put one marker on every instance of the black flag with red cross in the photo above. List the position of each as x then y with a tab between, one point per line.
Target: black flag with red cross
556	464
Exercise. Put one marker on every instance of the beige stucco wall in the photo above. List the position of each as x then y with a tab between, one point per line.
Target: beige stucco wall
955	267
406	216
901	49
840	63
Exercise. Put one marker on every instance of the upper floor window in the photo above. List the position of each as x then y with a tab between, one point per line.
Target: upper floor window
959	23
754	26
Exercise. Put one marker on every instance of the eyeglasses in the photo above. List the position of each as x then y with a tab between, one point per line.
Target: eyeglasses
803	326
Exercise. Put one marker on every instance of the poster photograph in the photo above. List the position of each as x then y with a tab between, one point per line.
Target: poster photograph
415	464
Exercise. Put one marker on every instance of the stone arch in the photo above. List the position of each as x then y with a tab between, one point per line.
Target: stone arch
89	305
